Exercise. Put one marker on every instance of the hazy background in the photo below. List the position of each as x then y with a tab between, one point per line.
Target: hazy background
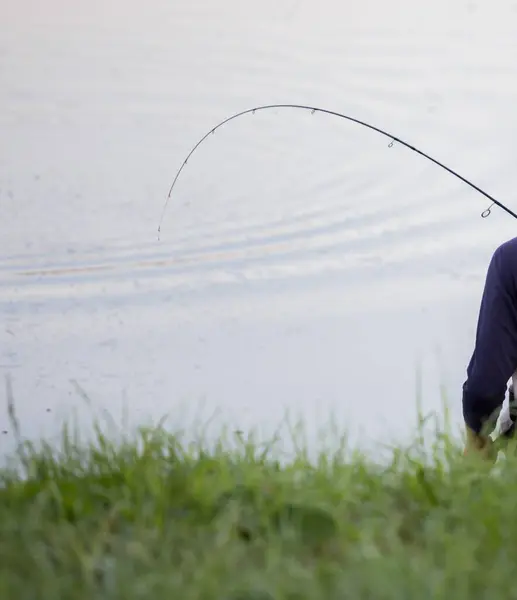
303	265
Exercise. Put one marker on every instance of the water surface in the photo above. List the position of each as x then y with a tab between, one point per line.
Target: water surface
303	265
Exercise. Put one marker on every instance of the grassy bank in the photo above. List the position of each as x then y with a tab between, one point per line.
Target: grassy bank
149	519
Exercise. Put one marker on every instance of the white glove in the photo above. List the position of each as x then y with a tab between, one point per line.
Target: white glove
507	417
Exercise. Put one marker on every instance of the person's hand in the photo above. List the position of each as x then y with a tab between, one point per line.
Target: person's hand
479	445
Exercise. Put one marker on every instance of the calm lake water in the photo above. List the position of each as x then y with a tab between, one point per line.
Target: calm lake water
303	265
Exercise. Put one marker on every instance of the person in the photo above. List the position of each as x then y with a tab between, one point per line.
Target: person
494	360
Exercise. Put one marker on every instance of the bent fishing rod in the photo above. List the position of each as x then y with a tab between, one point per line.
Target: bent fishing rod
314	109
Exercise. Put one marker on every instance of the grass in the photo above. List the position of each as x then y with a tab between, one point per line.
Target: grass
152	518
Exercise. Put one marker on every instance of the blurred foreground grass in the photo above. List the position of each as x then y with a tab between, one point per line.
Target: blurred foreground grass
150	518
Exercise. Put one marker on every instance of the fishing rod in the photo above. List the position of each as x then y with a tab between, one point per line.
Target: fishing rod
313	109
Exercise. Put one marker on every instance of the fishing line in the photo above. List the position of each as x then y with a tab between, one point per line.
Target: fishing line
313	109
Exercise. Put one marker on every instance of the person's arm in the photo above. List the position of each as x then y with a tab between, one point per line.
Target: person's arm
480	415
479	442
